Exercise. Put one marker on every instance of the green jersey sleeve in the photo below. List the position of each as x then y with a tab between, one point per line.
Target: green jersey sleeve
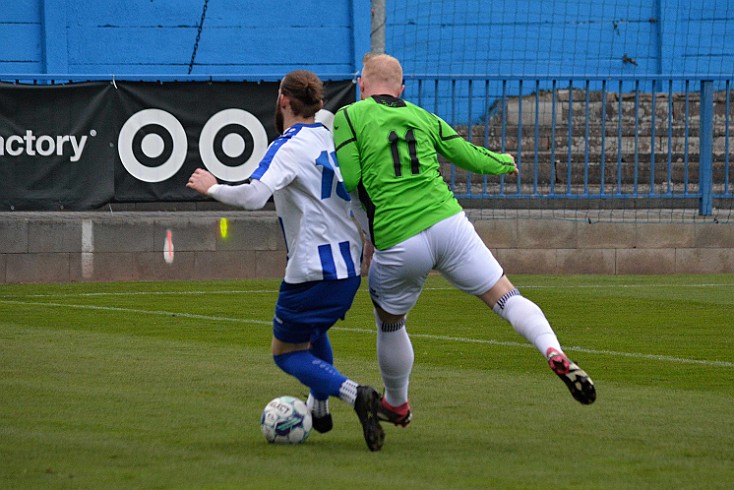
347	150
467	155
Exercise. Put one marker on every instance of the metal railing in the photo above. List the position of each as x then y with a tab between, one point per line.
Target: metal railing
647	138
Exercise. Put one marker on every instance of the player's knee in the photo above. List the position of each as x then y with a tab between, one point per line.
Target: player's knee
285	362
384	317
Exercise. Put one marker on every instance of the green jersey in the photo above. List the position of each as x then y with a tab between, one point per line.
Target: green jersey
387	149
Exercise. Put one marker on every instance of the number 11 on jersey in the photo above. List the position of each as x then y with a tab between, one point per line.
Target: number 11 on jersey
412	151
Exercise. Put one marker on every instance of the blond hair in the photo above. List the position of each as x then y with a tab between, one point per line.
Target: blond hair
382	70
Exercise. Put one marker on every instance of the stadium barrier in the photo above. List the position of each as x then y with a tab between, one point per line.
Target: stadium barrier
199	245
662	141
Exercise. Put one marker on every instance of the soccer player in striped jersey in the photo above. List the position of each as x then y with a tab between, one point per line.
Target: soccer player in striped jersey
323	246
387	151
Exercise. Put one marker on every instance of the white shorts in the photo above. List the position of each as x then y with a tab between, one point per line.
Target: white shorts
451	247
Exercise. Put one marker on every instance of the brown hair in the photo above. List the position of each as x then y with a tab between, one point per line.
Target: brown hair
306	92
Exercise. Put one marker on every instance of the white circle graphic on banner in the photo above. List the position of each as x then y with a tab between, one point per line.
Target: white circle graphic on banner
152	144
233	144
326	118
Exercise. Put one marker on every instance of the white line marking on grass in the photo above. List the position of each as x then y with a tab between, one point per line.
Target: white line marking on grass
275	291
142	312
140	293
652	357
602	286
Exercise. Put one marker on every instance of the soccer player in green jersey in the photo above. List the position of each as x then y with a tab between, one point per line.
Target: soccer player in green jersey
387	152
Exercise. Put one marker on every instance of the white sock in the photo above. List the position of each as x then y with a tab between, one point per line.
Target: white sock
318	408
395	358
528	320
348	391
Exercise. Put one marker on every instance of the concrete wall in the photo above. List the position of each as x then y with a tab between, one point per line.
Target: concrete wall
61	247
558	246
126	246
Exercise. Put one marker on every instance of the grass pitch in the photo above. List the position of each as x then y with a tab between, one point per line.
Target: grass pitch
161	385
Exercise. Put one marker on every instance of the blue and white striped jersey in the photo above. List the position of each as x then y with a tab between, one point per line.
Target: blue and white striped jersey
312	204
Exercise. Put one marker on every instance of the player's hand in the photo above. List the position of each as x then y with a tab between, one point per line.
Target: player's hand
515	171
201	181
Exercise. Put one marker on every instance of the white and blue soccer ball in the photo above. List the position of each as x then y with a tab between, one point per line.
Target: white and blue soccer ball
286	420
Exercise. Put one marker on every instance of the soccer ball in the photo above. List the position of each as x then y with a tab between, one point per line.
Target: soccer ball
286	420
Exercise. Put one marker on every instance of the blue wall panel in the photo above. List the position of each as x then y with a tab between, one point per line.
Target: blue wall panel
581	37
20	42
136	13
698	37
242	37
24	11
20	36
431	37
521	37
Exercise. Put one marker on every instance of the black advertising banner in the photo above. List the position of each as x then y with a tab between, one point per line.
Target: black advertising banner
172	129
56	145
81	146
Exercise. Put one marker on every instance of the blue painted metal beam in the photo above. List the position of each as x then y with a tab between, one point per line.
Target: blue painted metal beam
706	136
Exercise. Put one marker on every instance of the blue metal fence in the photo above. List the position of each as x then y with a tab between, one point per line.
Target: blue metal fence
648	138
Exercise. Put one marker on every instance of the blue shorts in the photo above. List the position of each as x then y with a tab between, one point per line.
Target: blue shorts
305	311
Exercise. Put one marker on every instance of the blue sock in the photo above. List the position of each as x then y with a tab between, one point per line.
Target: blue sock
318	375
321	348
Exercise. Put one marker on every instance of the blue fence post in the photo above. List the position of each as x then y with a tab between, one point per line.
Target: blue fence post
706	145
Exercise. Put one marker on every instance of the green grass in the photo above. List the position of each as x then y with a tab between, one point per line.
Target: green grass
161	385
